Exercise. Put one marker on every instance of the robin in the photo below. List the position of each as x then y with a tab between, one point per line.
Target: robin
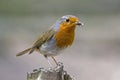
57	38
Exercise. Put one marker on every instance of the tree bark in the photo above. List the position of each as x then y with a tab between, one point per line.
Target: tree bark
56	73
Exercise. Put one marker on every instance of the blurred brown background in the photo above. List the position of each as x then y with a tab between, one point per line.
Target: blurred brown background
95	54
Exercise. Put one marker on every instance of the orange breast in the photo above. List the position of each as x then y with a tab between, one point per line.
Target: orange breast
65	36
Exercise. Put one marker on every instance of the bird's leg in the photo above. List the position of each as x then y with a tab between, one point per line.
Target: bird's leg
55	61
48	60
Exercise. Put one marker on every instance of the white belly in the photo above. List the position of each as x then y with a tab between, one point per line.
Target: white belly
50	49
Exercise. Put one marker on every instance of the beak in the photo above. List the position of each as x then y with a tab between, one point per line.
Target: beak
79	23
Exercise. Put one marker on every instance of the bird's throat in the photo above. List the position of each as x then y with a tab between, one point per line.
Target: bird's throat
65	36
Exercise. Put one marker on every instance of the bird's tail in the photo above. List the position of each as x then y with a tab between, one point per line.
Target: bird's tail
24	52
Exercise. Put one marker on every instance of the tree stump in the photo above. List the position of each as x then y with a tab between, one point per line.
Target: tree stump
56	73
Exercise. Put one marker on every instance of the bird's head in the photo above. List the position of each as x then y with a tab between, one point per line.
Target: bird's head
67	22
65	28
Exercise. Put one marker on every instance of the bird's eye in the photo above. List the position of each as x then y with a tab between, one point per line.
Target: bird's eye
67	20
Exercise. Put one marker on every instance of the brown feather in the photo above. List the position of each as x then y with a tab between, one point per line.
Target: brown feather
23	52
41	40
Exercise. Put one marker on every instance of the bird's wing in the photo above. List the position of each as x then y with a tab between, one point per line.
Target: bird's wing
45	36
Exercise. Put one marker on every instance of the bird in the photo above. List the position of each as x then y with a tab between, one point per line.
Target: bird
57	38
